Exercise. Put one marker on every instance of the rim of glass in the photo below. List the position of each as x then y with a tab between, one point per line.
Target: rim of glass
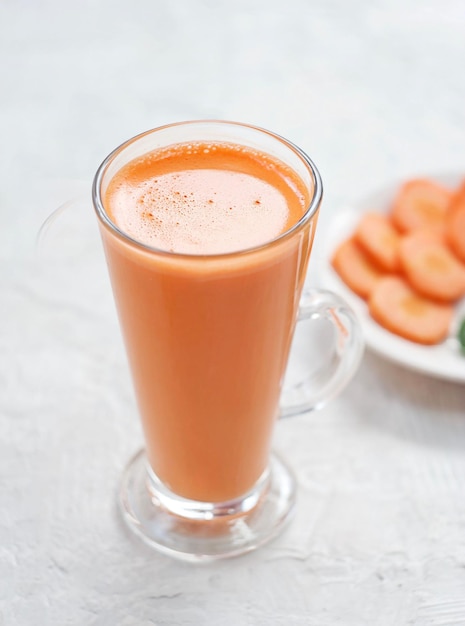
315	200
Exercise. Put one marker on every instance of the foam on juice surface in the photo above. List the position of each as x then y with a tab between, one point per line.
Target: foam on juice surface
205	198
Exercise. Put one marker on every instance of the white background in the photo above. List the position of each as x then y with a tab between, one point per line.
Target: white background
373	91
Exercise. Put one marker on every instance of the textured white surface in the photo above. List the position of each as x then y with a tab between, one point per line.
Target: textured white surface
372	91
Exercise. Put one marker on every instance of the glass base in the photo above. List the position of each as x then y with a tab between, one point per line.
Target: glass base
202	531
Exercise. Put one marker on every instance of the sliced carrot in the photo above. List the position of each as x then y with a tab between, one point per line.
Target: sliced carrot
455	223
399	309
431	268
420	203
426	236
380	240
355	268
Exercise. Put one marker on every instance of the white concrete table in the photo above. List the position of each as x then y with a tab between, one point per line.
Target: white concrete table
373	91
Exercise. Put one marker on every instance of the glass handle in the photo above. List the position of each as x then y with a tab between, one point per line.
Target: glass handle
337	359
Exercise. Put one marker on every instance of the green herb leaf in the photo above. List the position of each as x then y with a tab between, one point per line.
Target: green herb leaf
461	335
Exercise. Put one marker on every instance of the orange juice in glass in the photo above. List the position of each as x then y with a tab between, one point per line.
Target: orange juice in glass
207	229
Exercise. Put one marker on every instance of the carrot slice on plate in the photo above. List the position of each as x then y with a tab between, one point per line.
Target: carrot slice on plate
431	268
420	203
355	268
380	240
455	223
399	309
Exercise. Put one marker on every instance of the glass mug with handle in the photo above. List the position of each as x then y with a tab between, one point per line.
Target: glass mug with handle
207	229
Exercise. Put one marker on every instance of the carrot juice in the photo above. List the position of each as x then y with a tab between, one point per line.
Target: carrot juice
207	286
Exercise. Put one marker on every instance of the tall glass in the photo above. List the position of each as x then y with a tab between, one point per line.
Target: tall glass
208	339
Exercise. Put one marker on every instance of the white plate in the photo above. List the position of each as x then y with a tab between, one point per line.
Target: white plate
444	360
